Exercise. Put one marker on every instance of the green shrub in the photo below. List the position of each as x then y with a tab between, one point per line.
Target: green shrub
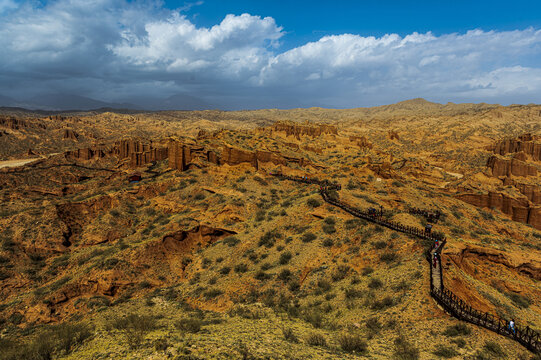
373	325
289	335
268	239
241	268
352	293
315	317
389	257
457	330
328	229
340	272
351	224
316	339
382	304
380	244
313	202
285	257
294	286
323	285
261	275
212	293
352	343
328	242
375	283
519	300
330	220
461	343
284	275
135	327
67	336
444	351
231	241
225	270
367	271
191	325
308	237
404	350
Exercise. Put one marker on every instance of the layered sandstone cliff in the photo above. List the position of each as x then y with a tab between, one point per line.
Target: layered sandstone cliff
508	167
519	209
527	143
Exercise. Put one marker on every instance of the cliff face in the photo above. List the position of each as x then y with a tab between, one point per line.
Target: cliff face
235	156
526	143
298	130
181	156
519	209
506	167
139	152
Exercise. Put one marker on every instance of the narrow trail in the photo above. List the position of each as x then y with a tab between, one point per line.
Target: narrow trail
451	303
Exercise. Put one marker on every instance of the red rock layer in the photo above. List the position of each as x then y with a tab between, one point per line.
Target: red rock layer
506	167
527	143
181	156
519	209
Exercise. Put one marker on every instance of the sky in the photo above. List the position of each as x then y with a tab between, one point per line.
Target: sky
240	54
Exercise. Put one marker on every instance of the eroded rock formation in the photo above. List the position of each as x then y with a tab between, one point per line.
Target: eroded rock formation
307	129
70	134
519	209
527	143
508	167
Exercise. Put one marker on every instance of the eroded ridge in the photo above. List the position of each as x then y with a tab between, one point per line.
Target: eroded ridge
451	303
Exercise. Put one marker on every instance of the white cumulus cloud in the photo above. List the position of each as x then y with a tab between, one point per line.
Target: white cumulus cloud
117	48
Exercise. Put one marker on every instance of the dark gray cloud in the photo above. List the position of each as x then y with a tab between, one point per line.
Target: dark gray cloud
118	51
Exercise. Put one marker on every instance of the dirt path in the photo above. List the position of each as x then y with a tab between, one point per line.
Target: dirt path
16	163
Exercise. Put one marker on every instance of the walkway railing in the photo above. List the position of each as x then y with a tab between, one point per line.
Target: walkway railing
443	296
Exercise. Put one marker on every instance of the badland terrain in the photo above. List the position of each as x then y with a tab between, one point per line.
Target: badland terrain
157	235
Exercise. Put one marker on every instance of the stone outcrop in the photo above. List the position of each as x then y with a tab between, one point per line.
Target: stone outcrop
508	167
361	141
16	124
138	152
12	123
519	209
312	149
95	152
307	129
393	135
527	143
145	157
181	156
69	134
235	156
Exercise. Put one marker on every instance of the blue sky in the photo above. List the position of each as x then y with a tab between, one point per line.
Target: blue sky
309	20
271	54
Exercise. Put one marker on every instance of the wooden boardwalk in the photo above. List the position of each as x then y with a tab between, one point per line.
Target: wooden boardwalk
443	296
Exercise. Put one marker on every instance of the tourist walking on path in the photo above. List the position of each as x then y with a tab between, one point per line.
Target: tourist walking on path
512	326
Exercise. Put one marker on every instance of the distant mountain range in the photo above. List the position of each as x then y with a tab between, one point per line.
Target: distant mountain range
65	102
